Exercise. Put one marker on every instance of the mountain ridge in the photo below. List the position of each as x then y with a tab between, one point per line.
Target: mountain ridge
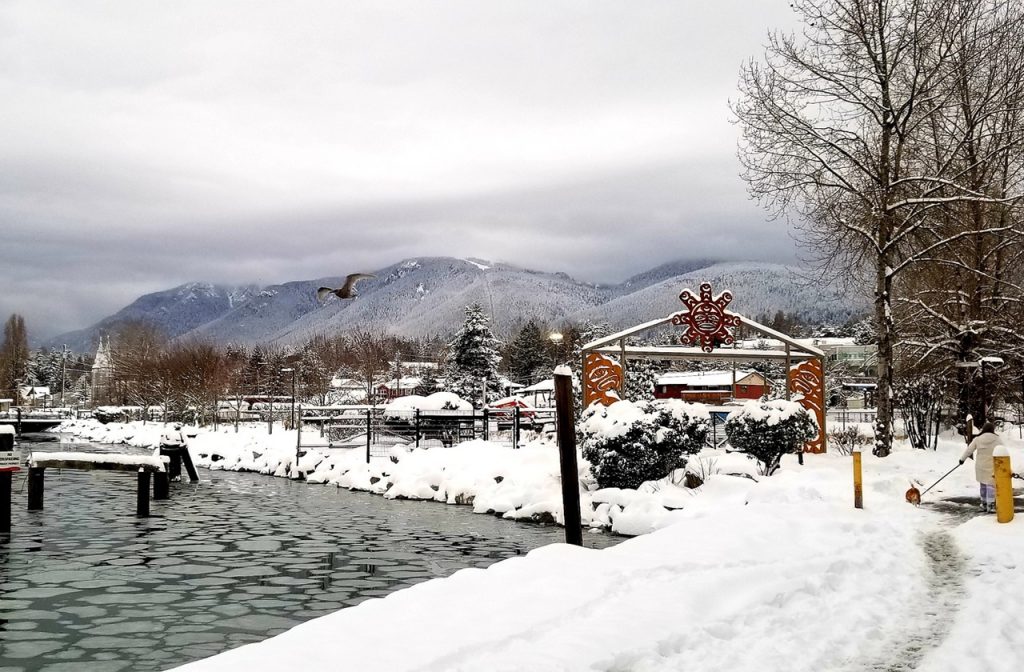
426	296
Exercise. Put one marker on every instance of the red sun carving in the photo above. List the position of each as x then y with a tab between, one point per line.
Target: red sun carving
706	321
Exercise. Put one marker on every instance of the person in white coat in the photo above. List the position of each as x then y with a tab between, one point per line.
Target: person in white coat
174	437
984	466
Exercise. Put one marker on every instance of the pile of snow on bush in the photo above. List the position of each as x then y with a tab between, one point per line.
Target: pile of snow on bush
631	442
767	430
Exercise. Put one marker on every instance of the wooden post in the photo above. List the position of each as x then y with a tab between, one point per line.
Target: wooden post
161	485
35	488
297	423
1004	484
516	420
5	501
622	363
417	412
6	477
142	495
186	458
969	429
858	482
567	457
487	425
368	411
789	365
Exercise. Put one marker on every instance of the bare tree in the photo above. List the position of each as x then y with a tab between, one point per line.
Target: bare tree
369	356
838	132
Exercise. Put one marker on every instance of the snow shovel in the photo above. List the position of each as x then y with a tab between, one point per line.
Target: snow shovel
914	495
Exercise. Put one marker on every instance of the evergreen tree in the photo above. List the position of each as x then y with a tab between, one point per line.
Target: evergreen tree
14	357
80	390
527	356
641	377
473	356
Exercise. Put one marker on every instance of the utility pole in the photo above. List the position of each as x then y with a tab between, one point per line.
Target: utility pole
63	372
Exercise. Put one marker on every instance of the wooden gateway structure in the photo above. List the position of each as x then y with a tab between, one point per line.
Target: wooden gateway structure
706	327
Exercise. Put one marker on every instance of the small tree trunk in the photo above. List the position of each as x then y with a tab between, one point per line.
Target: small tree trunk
886	338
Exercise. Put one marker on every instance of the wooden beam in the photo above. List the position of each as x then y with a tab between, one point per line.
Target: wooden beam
672	352
89	465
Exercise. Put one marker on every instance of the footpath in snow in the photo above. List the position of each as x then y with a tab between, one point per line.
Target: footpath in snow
781	574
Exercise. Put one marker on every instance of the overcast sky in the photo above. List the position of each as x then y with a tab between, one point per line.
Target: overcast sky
144	144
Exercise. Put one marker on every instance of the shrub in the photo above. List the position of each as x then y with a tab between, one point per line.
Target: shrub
767	430
844	441
628	443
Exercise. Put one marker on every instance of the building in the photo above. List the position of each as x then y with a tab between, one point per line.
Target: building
859	359
102	374
35	396
402	387
711	387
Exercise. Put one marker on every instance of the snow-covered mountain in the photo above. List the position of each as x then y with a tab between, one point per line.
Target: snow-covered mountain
427	296
173	311
758	288
415	297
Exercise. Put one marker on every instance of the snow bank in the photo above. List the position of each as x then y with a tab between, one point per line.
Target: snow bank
41	459
734	587
439	401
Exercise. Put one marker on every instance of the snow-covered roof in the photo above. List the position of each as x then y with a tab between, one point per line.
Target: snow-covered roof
708	378
406	383
438	401
35	391
543	386
346	383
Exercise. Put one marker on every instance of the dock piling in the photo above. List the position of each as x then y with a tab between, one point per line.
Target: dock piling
36	487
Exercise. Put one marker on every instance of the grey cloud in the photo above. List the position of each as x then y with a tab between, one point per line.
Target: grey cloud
154	143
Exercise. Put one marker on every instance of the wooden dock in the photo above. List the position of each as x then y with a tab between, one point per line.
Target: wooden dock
147	466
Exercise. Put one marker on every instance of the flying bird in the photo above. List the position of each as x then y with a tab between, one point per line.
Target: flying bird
346	291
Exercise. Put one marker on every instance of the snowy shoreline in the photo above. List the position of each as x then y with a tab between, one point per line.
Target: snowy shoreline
521	484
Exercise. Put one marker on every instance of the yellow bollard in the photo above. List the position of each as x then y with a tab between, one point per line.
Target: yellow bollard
858	486
1004	484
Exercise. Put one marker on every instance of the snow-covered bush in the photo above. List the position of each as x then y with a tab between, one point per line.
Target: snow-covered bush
628	443
767	430
404	407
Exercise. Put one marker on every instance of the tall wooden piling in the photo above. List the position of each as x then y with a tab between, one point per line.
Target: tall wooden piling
142	495
161	485
566	429
35	488
6	477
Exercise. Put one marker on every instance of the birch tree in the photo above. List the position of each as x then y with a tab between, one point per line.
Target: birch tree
838	134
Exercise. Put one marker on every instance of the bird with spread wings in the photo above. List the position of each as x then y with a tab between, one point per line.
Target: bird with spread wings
347	290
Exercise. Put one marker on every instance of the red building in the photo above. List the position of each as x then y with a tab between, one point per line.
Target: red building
711	387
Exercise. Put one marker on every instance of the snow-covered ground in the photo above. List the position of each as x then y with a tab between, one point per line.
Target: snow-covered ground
775	574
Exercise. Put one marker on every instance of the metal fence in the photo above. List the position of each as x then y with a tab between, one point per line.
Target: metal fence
378	429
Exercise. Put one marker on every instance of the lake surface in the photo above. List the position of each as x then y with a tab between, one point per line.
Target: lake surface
236	558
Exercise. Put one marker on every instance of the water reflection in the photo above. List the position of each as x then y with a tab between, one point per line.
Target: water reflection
85	585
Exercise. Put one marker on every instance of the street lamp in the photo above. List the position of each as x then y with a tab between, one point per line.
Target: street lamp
556	340
292	371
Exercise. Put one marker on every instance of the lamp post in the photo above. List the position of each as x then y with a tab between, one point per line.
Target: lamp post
292	371
556	340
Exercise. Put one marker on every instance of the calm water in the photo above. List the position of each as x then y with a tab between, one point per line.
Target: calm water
85	585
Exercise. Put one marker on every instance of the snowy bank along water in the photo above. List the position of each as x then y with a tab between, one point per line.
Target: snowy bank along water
521	484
